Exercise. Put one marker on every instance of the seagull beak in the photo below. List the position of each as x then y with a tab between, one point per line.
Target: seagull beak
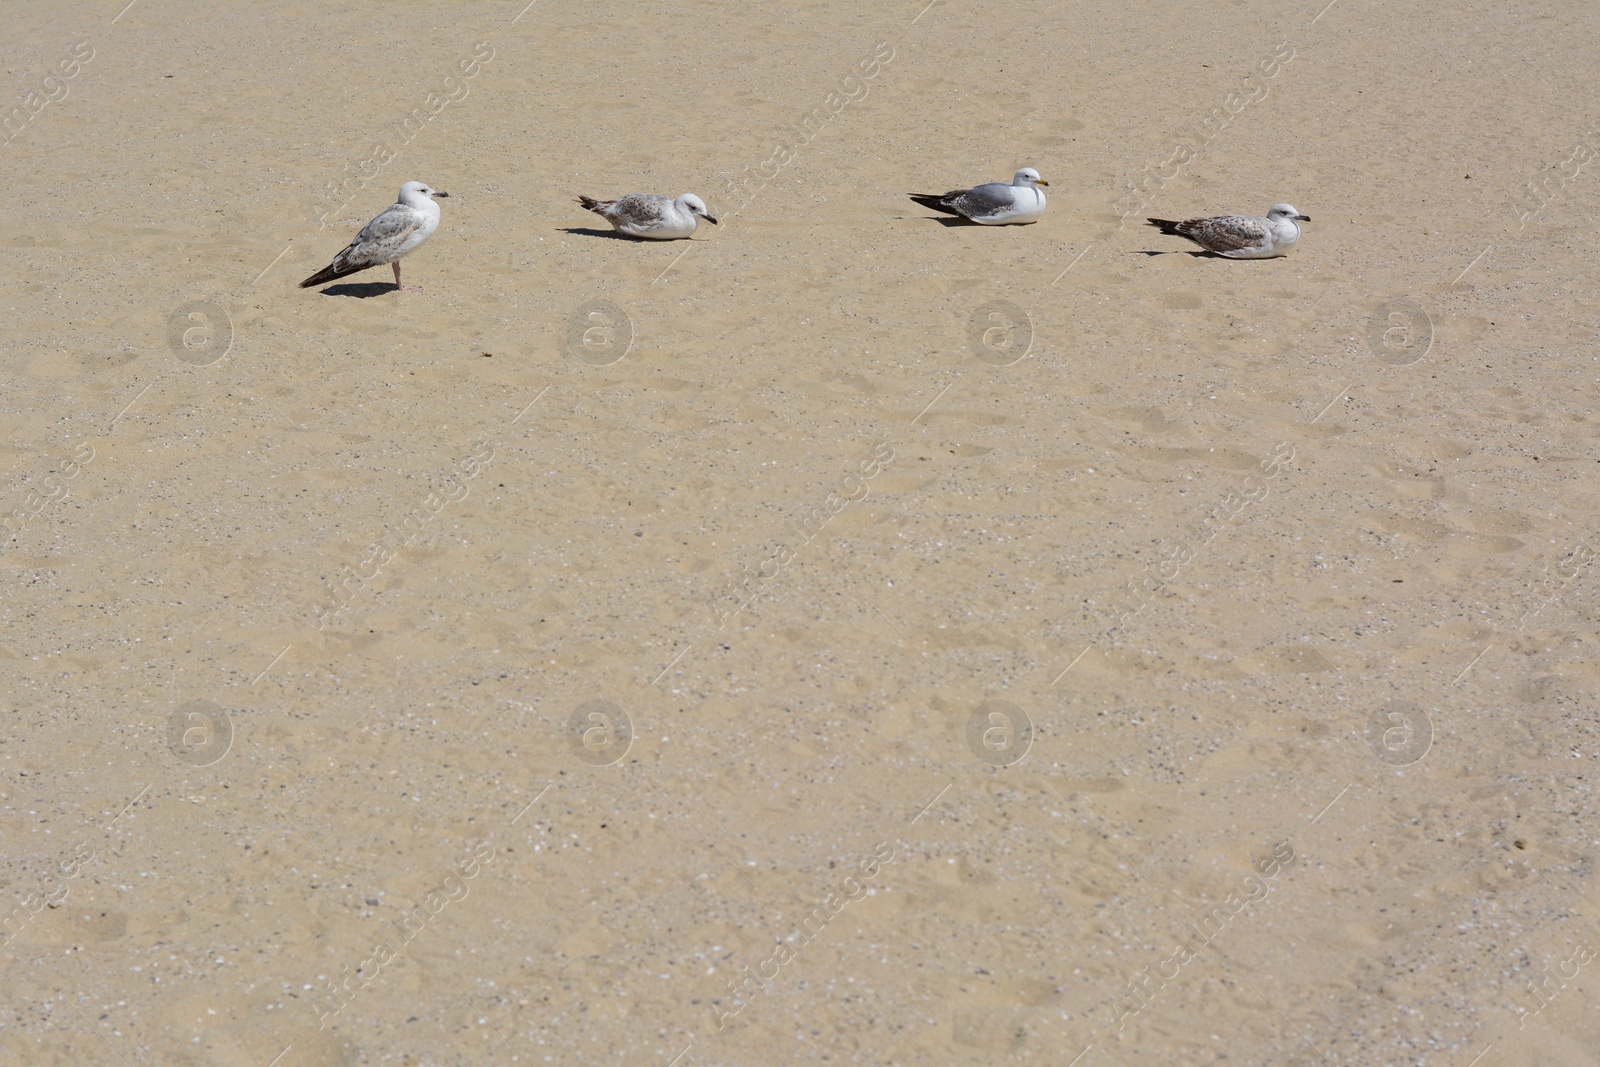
711	220
1303	218
1041	181
440	192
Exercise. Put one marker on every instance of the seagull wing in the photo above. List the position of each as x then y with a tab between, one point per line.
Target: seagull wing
379	240
1225	233
985	201
640	209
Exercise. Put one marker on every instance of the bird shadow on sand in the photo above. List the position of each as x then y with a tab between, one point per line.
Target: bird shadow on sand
952	222
589	231
361	290
948	221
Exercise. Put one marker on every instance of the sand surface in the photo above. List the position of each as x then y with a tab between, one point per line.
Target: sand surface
842	637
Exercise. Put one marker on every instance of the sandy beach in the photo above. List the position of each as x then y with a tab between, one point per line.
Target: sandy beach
850	635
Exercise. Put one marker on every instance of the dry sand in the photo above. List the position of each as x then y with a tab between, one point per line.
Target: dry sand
1266	587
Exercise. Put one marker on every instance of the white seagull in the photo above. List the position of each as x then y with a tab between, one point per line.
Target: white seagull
1241	236
652	215
402	227
994	204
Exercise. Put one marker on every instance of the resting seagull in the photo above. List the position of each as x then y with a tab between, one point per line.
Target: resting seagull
660	218
994	204
401	228
1241	236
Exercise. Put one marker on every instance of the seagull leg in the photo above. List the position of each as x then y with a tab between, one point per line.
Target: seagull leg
397	286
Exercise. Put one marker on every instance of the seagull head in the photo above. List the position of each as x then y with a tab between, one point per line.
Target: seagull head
415	194
695	206
1287	211
1027	176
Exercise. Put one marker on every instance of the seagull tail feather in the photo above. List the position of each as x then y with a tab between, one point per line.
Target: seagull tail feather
934	202
330	272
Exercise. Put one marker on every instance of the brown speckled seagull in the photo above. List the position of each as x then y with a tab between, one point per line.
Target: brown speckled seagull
1241	236
401	228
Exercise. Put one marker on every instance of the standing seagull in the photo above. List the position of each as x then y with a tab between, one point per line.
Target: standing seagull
401	227
652	215
994	204
1241	236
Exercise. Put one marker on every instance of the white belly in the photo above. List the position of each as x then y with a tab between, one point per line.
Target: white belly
665	230
1030	208
430	222
1278	243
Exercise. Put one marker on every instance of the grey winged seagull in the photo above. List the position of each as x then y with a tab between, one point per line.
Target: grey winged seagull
994	204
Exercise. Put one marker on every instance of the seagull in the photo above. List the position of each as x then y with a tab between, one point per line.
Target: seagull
994	204
652	215
403	226
1241	236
